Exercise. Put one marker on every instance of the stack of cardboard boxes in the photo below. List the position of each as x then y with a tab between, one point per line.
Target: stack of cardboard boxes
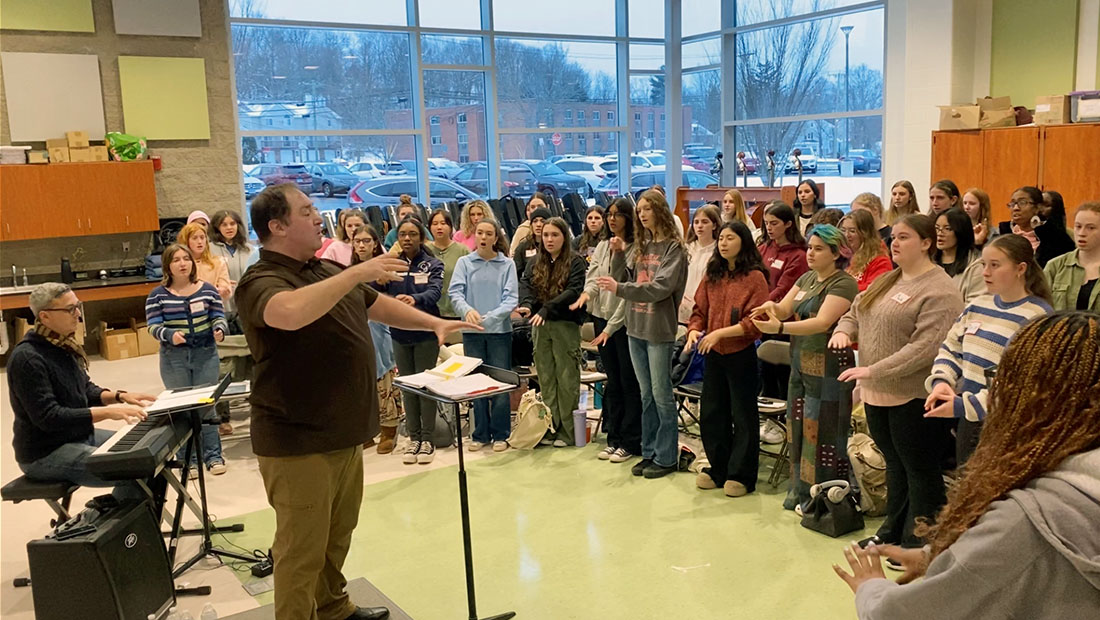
990	112
124	342
74	147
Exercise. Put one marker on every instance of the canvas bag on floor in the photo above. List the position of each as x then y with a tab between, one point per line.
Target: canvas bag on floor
533	419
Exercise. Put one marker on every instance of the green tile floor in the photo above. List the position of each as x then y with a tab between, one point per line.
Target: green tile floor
559	534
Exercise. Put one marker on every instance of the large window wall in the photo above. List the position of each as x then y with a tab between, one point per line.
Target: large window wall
650	90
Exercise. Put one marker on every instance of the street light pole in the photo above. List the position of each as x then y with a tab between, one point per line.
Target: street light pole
847	30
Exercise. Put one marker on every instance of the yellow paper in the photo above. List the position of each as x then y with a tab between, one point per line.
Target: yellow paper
56	15
450	369
164	98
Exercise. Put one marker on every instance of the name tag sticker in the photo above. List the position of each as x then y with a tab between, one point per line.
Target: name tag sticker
973	327
530	253
800	296
420	278
198	307
900	298
777	264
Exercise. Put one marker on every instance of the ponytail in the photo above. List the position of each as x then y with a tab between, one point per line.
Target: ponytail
1018	250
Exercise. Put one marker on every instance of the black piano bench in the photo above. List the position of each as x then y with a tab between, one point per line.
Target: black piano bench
57	494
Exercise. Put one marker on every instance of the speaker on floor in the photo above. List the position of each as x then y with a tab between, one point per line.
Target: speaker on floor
109	562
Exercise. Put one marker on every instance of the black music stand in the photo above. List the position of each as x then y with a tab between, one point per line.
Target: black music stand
504	376
194	446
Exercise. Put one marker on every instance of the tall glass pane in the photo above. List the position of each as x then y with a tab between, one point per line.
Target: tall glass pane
560	17
647	56
455	105
702	101
757	11
702	53
699	16
381	12
803	68
546	83
298	78
647	18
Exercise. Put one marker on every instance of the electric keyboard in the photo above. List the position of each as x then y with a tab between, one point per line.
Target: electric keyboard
140	450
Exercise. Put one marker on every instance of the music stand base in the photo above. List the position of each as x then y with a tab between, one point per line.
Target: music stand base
503	616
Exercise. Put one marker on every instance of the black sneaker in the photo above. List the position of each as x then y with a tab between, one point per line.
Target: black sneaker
656	471
893	564
639	467
871	540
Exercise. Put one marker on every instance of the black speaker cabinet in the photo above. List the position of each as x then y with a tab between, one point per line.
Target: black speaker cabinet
108	564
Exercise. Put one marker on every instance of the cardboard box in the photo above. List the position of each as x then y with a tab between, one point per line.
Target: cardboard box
59	154
1051	110
117	344
84	154
996	112
77	139
38	157
147	344
1085	106
954	117
57	143
99	153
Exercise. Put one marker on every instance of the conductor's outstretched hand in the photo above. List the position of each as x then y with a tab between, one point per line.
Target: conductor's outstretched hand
381	269
445	328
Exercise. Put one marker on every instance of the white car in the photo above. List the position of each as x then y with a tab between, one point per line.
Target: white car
252	186
591	169
368	169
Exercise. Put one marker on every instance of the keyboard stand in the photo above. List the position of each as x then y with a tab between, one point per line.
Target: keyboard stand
206	546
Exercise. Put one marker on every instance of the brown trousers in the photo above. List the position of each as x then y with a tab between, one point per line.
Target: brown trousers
316	498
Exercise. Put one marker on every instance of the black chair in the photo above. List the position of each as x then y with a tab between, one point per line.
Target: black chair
376	218
518	210
574	206
500	213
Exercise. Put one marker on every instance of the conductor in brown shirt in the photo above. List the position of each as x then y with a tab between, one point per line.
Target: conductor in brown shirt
313	395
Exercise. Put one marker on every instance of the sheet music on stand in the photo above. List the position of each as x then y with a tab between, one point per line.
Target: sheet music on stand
170	401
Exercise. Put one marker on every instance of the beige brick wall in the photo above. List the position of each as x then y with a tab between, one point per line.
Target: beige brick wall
197	174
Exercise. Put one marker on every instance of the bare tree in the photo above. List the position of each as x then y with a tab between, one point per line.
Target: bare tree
780	72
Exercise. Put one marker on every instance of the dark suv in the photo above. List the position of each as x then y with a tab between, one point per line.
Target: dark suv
518	182
274	174
551	179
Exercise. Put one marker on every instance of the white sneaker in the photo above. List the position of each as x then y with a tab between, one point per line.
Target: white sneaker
217	468
560	443
426	454
410	453
546	441
606	453
772	433
500	446
621	456
475	446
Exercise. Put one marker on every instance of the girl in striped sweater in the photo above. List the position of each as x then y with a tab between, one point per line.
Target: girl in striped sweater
185	314
959	384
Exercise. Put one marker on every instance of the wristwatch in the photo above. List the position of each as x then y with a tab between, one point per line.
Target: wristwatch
118	396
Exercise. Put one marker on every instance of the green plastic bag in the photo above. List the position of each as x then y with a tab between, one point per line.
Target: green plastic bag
124	147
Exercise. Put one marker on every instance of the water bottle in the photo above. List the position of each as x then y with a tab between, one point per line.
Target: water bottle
173	614
208	612
186	615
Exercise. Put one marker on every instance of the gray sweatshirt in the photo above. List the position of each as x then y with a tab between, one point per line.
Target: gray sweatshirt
605	304
1032	556
653	290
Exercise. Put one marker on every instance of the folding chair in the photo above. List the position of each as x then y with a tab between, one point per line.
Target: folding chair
774	410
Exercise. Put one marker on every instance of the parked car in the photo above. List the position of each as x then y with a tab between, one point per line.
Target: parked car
692	161
443	167
274	174
331	179
368	169
551	179
252	186
637	160
591	169
518	181
808	157
641	181
864	160
702	151
388	190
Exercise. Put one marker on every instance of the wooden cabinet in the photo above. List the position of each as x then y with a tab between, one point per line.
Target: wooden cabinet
1071	164
959	156
1064	158
1011	161
76	199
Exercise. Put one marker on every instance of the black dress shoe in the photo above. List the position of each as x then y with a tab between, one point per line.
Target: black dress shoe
369	613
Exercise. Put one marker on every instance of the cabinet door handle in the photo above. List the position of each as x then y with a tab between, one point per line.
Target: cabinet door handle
89	223
79	224
127	220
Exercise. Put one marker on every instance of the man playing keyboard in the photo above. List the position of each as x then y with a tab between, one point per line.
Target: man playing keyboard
55	402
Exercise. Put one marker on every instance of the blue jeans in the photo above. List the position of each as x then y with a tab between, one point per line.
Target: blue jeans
660	434
494	350
70	462
184	367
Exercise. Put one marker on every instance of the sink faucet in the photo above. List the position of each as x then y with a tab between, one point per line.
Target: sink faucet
14	276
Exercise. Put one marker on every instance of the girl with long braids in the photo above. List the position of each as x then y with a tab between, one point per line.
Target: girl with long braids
958	386
1019	535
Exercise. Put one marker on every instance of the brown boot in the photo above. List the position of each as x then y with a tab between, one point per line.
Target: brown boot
387	443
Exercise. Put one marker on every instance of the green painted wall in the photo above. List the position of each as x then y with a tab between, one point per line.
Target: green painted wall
1034	49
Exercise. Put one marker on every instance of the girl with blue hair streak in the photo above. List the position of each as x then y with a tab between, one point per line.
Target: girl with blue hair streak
819	405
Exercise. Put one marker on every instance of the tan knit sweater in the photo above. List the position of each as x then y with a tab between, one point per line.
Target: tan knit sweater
901	333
